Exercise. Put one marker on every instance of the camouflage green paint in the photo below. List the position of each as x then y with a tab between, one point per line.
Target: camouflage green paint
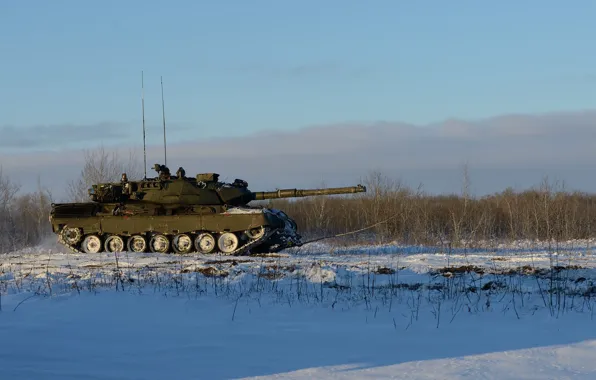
173	205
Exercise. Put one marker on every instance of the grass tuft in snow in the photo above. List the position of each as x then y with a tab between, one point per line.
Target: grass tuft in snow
405	286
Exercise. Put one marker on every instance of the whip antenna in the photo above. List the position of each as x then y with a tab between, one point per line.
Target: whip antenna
163	112
143	111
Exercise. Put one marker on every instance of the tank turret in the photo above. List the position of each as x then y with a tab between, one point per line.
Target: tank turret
204	189
176	213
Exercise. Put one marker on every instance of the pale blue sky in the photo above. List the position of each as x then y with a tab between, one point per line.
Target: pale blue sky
234	67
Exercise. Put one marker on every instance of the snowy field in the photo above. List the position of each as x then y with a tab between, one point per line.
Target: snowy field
515	311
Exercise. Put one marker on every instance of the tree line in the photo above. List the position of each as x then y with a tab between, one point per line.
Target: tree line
402	214
24	216
389	211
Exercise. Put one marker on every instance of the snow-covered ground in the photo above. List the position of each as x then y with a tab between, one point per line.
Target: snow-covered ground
521	311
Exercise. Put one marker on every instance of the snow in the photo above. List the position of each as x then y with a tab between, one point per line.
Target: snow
523	311
243	210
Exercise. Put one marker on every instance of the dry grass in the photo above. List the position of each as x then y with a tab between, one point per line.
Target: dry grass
547	212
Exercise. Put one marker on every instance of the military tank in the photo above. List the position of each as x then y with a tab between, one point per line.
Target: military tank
179	214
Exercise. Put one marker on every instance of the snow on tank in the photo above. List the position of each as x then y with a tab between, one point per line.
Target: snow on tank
179	214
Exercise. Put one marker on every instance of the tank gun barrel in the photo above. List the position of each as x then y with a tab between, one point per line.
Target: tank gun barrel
296	193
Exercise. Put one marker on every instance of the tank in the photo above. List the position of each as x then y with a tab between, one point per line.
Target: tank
179	214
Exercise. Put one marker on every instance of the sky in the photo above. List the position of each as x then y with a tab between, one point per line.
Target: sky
71	70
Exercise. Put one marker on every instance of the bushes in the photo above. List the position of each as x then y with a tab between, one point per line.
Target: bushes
408	216
23	217
547	212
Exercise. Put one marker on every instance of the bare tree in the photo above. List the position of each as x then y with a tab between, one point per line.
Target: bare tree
102	166
8	229
459	211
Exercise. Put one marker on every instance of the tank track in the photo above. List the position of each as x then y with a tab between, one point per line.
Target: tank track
282	239
69	246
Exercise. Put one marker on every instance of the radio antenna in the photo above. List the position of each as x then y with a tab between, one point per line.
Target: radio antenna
163	112
143	110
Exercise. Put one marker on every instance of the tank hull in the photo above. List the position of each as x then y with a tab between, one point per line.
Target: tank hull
92	228
179	214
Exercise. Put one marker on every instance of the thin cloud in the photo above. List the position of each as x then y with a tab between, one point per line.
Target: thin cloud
42	136
510	150
63	136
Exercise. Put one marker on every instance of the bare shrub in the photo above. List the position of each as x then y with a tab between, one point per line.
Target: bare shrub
410	216
398	213
102	166
23	217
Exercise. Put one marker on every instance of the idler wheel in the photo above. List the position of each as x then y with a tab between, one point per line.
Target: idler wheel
182	243
227	242
205	243
71	235
159	244
91	244
137	244
256	233
114	243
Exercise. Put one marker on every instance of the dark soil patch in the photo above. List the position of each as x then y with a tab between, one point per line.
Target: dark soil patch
493	285
415	286
528	270
284	268
275	272
232	262
266	255
208	272
450	271
384	270
91	266
590	291
435	287
339	287
525	270
559	268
